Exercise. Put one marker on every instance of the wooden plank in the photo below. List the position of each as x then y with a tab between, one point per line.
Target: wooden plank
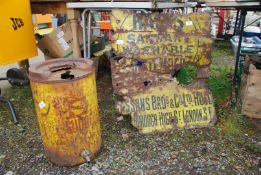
48	8
251	99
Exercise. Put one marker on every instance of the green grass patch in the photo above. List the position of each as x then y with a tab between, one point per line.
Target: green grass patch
220	82
187	74
222	49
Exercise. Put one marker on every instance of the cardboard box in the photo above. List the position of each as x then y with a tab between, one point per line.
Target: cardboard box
58	43
42	19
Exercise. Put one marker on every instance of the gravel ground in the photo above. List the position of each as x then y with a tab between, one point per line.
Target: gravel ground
125	151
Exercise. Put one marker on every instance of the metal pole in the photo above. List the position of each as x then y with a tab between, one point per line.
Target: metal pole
89	34
242	20
239	24
84	31
235	28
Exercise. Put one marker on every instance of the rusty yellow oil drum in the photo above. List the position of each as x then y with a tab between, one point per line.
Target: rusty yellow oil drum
65	97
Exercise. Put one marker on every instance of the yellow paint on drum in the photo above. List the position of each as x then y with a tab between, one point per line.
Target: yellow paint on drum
67	111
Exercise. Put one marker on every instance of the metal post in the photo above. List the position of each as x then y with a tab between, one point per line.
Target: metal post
186	7
239	24
242	21
235	28
84	32
89	34
85	53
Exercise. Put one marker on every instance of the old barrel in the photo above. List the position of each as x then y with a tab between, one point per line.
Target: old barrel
65	98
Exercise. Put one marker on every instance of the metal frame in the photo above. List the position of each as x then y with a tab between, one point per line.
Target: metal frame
233	4
128	5
91	6
87	50
95	6
241	31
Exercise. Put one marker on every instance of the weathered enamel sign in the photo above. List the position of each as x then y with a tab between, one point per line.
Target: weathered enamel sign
168	106
150	49
162	41
130	80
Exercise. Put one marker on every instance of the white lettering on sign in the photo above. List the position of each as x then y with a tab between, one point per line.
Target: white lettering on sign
119	42
42	105
189	23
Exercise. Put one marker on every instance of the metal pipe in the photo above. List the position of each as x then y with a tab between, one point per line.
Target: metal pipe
10	107
84	31
89	34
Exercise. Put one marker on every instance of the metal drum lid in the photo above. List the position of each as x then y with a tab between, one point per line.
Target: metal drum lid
61	70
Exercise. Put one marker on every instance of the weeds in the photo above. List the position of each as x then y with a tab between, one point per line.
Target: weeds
222	50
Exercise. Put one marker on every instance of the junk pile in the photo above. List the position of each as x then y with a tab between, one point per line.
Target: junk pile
249	44
150	48
58	43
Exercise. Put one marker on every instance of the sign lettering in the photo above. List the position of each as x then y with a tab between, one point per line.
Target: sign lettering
170	106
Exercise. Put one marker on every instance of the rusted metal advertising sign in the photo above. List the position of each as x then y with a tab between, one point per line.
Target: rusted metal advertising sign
150	48
170	106
162	41
130	80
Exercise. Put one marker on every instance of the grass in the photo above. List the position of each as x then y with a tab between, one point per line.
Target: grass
231	123
220	82
187	74
222	49
21	97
